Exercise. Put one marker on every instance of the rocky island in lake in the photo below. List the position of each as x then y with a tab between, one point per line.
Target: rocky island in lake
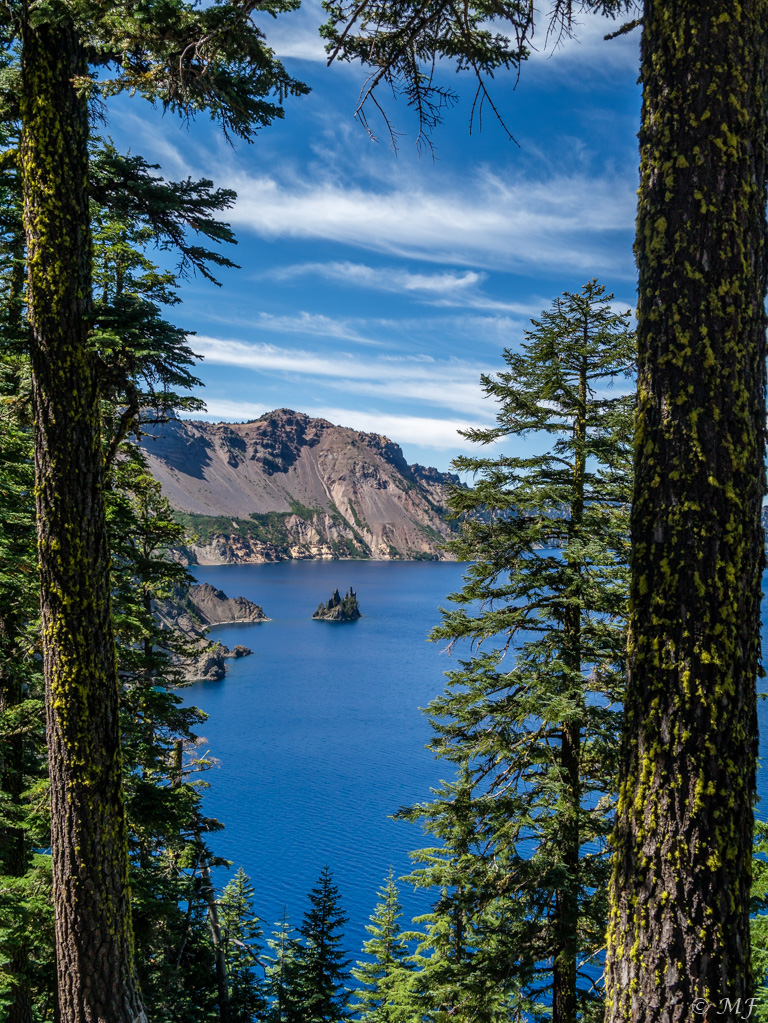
338	608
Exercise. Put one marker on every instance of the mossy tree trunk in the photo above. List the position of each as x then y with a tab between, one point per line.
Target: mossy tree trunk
680	893
96	976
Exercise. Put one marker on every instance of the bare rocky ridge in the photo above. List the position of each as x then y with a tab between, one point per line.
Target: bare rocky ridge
216	608
201	606
288	486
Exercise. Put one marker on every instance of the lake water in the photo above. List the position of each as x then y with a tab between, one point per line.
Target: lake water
319	736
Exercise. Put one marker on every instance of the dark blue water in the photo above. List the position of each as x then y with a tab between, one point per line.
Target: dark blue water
319	736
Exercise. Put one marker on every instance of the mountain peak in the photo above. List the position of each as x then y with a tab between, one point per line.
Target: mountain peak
287	485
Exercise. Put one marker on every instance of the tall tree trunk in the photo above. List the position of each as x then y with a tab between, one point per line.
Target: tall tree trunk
567	896
679	928
222	981
96	976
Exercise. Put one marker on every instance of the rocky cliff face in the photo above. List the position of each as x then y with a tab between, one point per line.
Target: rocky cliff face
288	486
214	607
190	614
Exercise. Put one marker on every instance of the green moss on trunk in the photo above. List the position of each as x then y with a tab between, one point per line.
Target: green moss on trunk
680	895
93	934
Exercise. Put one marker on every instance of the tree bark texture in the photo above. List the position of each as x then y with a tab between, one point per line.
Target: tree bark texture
96	976
679	930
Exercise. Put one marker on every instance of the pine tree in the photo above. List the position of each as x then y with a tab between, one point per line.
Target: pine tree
242	935
140	360
688	763
322	963
189	58
532	723
700	457
164	809
142	363
384	974
26	962
465	964
283	975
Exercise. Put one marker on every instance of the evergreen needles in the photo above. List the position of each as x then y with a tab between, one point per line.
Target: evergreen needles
531	719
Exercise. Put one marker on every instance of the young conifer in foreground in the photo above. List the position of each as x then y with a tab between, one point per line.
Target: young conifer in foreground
282	974
322	964
385	973
523	866
241	934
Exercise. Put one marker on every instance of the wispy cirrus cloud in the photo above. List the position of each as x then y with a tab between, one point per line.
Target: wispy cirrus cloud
448	383
447	288
496	222
313	325
587	46
296	35
384	278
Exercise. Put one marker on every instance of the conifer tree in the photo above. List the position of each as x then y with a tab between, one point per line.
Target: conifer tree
531	720
141	364
283	974
462	967
384	974
241	934
25	959
164	809
189	58
698	542
322	964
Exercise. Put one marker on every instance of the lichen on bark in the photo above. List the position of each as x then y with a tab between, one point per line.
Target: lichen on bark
96	975
679	926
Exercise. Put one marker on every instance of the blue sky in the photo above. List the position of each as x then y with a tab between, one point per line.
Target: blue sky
375	287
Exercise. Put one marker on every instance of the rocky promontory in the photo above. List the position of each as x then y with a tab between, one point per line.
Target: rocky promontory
216	608
338	608
190	614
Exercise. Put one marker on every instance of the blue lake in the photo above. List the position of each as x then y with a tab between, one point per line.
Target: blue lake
319	737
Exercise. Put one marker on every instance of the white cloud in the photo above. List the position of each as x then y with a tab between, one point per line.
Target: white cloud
385	278
449	383
587	46
296	34
447	288
417	430
312	324
507	223
221	409
422	431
